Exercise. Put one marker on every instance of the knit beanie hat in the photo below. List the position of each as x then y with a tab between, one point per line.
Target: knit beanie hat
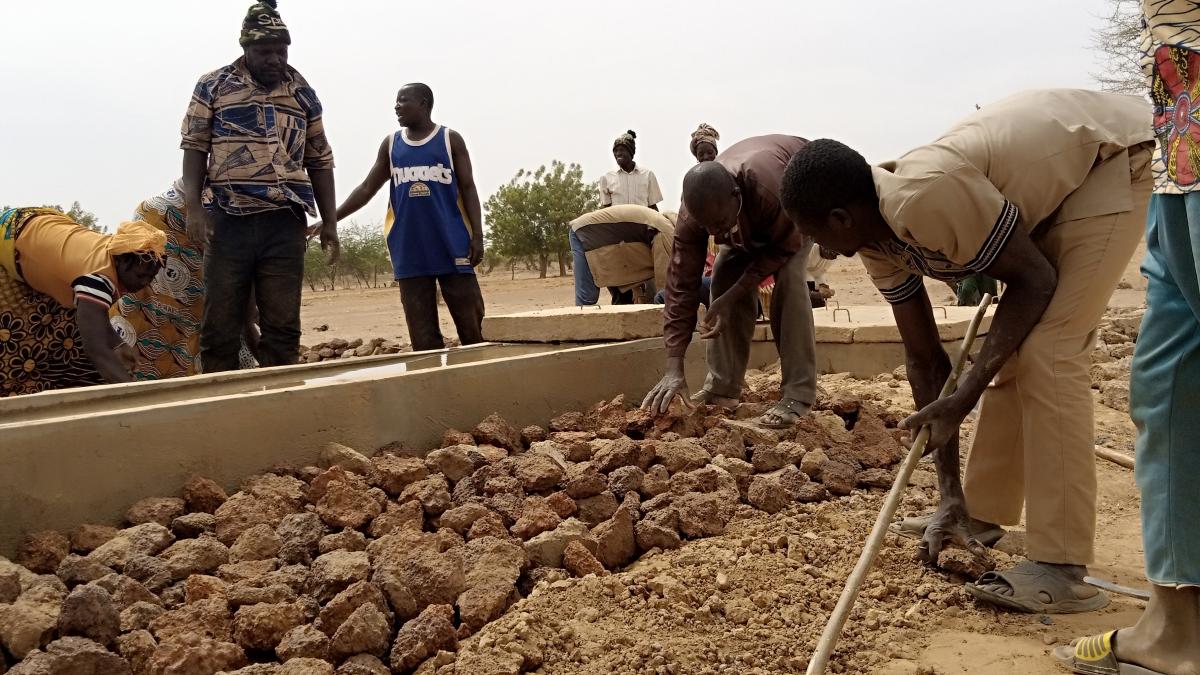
263	24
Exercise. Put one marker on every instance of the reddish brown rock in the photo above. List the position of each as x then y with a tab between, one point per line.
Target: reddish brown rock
203	587
579	561
71	655
453	462
398	516
146	539
875	478
89	612
571	421
161	510
89	537
137	647
659	530
303	666
192	654
533	434
456	437
335	571
301	529
625	479
494	430
191	525
583	481
683	455
616	543
767	458
814	463
423	637
343	604
348	502
43	552
724	442
961	562
260	542
489	525
838	477
29	623
460	518
366	631
656	481
195	556
303	642
538	471
812	492
139	616
126	591
364	664
75	570
393	473
336	454
261	627
433	493
562	504
536	517
244	510
205	618
703	515
598	508
873	444
766	494
613	454
346	540
202	495
432	577
545	550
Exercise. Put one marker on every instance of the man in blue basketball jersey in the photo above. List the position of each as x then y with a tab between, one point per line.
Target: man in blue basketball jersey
434	227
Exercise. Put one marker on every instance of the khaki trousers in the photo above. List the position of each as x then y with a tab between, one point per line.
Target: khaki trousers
1034	442
791	322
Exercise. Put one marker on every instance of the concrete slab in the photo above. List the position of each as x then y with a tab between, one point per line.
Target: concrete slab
874	323
576	324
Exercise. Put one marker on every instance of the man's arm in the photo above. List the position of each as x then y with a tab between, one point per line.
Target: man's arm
195	168
376	178
469	194
100	343
679	314
326	197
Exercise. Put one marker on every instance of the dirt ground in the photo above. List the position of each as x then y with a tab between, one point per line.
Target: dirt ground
941	632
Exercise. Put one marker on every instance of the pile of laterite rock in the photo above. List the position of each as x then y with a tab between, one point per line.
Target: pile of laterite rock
340	348
1113	356
367	566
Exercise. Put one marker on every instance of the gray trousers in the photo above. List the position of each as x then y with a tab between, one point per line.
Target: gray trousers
791	322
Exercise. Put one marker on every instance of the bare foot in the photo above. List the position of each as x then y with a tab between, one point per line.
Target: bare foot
1164	638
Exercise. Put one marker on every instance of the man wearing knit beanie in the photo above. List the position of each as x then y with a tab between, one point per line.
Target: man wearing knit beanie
255	161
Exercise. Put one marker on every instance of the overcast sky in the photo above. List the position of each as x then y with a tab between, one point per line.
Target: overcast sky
93	92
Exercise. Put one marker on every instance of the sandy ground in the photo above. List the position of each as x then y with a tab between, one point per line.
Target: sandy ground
954	639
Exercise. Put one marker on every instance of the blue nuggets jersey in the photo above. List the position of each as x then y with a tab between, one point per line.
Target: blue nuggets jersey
426	227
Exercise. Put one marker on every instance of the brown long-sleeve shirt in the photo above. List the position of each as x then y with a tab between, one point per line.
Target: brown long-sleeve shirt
764	230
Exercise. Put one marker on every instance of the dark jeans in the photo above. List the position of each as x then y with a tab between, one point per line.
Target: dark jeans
463	299
263	252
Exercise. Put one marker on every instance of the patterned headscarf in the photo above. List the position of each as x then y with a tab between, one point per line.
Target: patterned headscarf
704	134
627	139
263	24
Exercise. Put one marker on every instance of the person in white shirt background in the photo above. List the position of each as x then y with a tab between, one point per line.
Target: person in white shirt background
629	183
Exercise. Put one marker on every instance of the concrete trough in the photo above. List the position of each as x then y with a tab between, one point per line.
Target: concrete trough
85	455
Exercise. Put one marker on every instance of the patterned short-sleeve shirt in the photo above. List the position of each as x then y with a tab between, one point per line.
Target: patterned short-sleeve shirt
260	143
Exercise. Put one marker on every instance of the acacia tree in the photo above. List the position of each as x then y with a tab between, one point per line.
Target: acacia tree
1119	42
529	216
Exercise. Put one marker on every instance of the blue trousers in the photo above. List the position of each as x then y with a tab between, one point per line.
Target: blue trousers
1165	392
586	290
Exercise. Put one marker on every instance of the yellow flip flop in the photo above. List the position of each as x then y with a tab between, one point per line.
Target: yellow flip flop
1094	655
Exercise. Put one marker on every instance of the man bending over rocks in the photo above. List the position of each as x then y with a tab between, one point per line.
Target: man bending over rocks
1045	191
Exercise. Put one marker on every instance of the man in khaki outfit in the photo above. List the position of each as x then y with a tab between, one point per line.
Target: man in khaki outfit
622	248
1045	191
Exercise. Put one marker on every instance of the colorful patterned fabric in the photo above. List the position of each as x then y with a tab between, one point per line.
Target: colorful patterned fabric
162	322
1170	43
704	134
260	143
40	346
263	24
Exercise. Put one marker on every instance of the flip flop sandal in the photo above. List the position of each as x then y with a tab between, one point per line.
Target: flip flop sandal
1029	581
783	410
1094	656
914	528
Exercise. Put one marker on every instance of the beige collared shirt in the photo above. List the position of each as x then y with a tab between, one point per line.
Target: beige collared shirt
1031	160
638	187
